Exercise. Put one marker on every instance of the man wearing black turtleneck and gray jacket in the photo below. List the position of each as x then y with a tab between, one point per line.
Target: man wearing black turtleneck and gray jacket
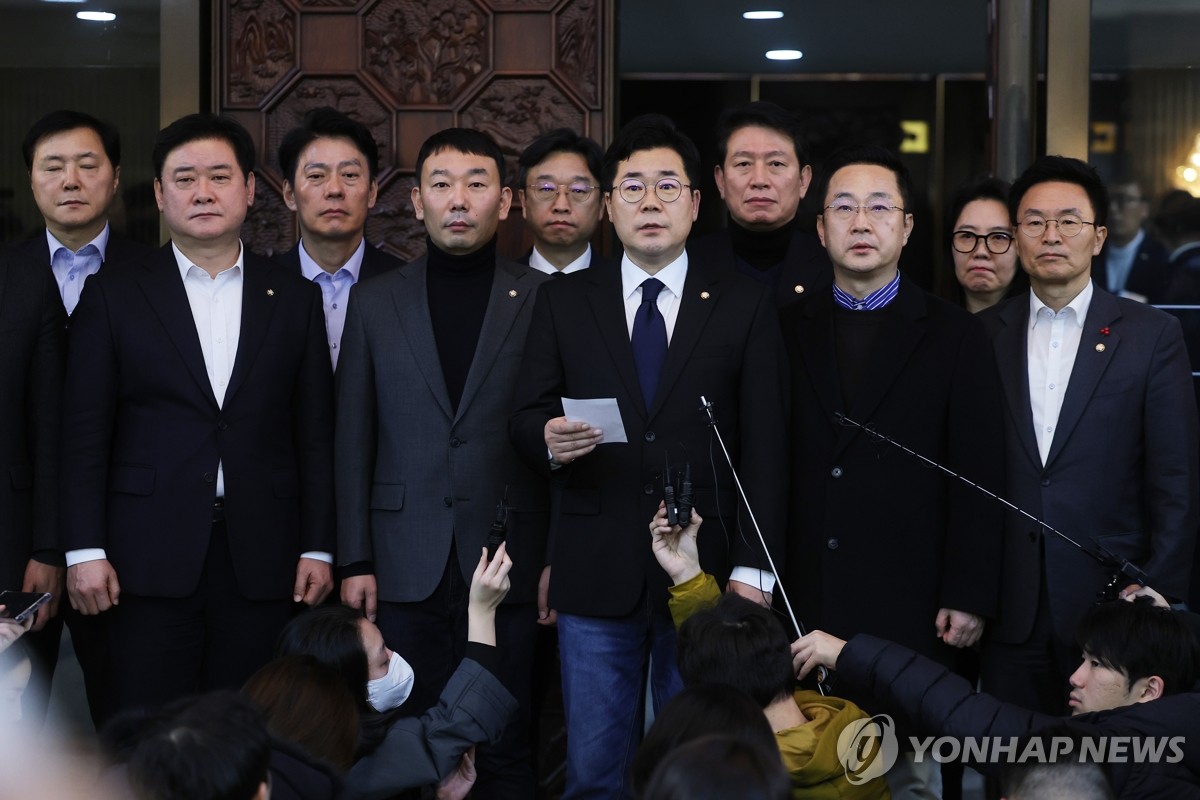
762	176
422	457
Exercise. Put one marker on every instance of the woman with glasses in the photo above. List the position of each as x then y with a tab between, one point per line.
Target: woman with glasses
981	241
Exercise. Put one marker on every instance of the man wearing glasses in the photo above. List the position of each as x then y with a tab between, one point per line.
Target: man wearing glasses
879	543
1101	436
560	200
655	334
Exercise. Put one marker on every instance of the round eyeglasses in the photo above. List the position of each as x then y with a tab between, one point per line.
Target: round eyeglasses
547	192
666	189
1068	225
877	212
997	242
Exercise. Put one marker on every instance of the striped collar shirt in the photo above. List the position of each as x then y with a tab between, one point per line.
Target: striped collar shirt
875	300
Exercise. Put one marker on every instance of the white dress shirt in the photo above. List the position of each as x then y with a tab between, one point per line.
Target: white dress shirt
335	292
71	269
673	277
1052	344
216	304
539	262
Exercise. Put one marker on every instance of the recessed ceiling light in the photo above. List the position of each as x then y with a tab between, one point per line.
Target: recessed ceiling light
763	15
784	55
64	1
96	16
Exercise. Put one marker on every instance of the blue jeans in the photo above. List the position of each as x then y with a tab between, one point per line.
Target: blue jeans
604	667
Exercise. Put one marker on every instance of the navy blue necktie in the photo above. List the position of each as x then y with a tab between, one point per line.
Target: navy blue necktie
649	340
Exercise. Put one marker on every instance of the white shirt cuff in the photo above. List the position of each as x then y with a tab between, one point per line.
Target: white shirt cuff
318	555
760	578
87	554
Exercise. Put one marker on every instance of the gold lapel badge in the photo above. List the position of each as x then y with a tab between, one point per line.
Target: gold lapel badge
1100	347
512	292
270	292
798	289
705	295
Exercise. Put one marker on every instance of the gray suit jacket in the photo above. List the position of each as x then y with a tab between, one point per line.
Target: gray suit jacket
1122	468
412	474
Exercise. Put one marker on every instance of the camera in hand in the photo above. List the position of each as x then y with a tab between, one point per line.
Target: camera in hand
499	531
677	495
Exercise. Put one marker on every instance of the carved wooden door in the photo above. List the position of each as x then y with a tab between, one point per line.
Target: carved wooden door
408	68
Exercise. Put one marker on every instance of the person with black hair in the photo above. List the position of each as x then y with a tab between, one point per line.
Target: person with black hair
197	501
1134	262
1101	439
330	165
655	334
558	180
981	244
1136	679
717	767
763	175
423	465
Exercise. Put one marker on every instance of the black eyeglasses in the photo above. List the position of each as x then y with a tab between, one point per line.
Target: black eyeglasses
667	189
1068	225
996	242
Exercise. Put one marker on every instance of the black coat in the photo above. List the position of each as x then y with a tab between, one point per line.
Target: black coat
805	268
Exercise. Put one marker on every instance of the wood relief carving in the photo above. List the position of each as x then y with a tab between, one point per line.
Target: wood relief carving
515	111
577	48
392	225
522	5
270	227
347	95
426	51
261	47
339	4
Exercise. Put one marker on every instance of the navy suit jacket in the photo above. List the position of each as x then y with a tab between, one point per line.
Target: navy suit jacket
32	346
1149	276
1122	467
118	250
805	268
880	542
143	433
726	347
375	262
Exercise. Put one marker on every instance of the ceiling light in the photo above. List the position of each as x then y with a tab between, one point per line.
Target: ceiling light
784	55
64	1
752	14
96	16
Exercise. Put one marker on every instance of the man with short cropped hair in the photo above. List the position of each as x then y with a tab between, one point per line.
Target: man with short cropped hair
197	446
424	466
763	174
74	163
560	194
330	163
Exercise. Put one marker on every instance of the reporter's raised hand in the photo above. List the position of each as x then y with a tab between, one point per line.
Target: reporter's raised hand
675	547
489	585
817	649
568	440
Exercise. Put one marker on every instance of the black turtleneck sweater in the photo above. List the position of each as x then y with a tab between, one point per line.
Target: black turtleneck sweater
458	288
760	254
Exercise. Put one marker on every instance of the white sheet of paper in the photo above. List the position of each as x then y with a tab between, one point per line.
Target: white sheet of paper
599	412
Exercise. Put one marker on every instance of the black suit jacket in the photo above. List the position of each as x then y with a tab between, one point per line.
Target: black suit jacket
880	541
375	262
32	345
119	250
804	270
725	346
143	433
1149	276
1122	467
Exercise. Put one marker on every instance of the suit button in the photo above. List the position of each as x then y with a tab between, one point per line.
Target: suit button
832	544
650	436
455	442
210	477
447	502
837	473
1045	481
222	425
648	488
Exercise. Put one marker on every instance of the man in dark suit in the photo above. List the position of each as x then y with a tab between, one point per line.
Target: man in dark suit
1101	436
74	163
1133	263
656	335
422	456
330	164
197	449
880	543
559	190
763	175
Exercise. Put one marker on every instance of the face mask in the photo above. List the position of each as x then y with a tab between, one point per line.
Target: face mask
392	689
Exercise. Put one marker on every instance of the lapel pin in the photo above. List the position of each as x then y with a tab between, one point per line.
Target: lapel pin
512	292
1104	331
1100	347
705	295
798	289
270	292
